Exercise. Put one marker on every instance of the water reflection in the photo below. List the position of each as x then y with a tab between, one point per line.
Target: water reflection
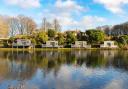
76	69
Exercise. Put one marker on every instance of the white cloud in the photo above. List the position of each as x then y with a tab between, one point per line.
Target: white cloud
24	3
68	5
66	20
67	12
92	21
64	11
64	79
115	84
115	6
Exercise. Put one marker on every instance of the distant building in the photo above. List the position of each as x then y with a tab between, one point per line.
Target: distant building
22	43
80	44
108	44
51	44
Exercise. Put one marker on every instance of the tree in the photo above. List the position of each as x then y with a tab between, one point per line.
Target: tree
60	39
57	26
42	37
120	29
123	39
11	39
95	36
4	28
51	34
13	26
33	40
81	36
44	25
21	25
26	25
106	28
71	38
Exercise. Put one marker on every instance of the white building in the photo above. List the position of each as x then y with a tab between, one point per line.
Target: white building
22	43
51	44
80	44
108	44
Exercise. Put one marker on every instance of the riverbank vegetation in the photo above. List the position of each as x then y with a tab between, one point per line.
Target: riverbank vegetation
22	27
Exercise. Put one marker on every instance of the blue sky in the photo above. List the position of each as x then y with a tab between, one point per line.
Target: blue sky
72	14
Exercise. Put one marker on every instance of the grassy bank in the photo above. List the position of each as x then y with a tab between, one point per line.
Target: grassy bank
54	49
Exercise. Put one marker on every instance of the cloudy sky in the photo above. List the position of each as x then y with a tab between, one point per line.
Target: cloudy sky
72	14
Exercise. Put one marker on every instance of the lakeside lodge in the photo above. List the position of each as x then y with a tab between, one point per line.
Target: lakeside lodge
26	43
80	44
51	44
20	43
108	44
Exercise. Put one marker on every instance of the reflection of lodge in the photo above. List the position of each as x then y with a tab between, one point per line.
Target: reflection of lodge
52	59
109	54
51	44
80	53
48	54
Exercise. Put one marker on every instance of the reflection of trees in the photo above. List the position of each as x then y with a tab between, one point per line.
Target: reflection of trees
95	59
20	65
121	60
17	66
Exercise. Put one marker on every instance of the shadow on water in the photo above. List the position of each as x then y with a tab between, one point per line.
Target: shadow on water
78	69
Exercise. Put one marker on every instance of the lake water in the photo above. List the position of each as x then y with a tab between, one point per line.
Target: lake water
76	69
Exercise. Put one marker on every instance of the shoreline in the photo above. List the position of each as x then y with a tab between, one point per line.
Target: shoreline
56	49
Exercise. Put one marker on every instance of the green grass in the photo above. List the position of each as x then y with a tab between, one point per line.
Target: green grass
49	49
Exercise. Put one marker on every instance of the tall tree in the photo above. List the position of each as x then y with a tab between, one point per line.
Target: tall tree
95	36
71	38
42	37
51	34
13	26
44	23
21	25
4	28
61	38
81	36
56	25
26	25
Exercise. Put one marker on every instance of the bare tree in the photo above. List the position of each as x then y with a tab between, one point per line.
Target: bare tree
13	26
56	25
27	25
3	27
46	25
49	26
21	25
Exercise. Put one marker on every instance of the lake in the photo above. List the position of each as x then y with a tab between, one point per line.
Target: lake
76	69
